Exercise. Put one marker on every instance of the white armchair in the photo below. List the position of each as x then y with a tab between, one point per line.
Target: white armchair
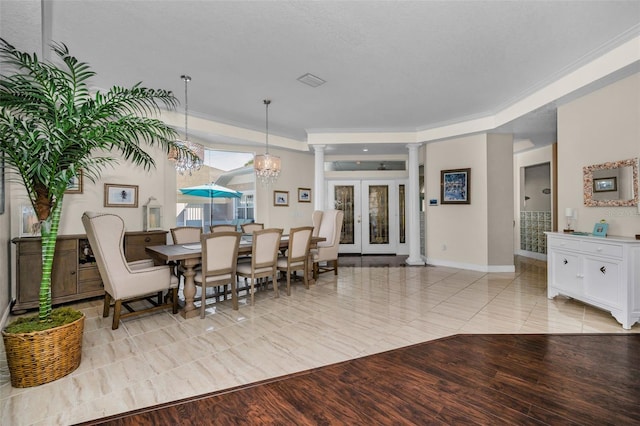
327	224
123	281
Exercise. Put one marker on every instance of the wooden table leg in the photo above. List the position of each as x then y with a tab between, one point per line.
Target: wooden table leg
189	310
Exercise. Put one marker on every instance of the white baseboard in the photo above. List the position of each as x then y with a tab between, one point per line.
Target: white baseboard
532	255
471	266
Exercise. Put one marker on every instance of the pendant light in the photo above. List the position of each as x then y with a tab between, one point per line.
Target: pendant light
267	166
186	163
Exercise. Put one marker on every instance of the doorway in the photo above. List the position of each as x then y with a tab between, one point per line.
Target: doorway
374	215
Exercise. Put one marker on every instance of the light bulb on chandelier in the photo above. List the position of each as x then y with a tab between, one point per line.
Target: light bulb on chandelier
267	166
187	163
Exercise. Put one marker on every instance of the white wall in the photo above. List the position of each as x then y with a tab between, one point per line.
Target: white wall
596	128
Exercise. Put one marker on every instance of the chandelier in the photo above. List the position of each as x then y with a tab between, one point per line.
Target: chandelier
187	163
266	166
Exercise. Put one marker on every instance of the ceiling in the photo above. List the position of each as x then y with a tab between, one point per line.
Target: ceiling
389	66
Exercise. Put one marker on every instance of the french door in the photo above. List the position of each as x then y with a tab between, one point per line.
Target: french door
373	215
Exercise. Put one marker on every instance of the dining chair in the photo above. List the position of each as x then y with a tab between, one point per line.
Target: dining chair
297	257
327	224
124	281
264	256
222	228
219	253
186	234
248	228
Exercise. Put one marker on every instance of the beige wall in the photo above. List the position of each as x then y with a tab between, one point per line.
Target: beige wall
596	128
500	215
456	235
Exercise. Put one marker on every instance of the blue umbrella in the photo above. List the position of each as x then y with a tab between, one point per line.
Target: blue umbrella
211	190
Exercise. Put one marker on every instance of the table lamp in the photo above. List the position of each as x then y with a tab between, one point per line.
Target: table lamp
568	212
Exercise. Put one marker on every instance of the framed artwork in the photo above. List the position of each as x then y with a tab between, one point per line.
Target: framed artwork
280	198
75	185
600	229
116	195
608	184
29	224
455	186
304	195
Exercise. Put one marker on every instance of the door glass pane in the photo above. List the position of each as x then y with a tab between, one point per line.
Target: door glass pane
401	215
379	214
344	196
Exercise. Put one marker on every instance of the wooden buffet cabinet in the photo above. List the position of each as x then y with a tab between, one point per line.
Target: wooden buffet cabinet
603	272
75	273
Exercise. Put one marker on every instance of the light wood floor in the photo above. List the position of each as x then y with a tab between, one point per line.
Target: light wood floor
365	310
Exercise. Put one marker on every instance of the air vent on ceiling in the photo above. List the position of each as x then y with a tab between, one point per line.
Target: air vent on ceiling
311	80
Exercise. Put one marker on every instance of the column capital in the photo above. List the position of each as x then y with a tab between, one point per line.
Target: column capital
318	148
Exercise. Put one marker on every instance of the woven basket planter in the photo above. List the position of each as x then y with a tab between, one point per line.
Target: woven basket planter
43	356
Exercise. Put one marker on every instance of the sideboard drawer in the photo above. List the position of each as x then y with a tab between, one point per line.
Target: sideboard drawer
562	243
603	249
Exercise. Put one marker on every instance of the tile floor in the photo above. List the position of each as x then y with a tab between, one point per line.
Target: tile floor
365	310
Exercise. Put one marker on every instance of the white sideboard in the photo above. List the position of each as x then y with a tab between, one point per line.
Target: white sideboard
603	272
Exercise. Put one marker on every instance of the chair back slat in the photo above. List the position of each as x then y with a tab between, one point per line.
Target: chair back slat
264	250
220	253
186	234
299	241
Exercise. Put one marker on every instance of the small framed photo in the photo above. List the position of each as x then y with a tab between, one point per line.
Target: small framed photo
116	195
75	185
600	229
280	198
29	223
455	186
304	195
608	184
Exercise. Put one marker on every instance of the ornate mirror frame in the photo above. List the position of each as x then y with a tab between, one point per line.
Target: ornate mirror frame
587	172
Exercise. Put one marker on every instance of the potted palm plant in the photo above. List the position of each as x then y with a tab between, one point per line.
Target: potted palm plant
52	128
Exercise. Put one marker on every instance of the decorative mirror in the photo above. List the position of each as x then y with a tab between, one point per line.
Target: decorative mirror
613	184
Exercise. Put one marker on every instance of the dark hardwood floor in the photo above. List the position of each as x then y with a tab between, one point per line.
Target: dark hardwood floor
464	379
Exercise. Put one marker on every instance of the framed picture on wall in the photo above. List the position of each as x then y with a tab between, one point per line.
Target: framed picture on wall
29	224
75	185
280	198
608	184
304	195
455	186
117	195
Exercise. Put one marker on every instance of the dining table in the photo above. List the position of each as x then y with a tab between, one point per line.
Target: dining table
190	255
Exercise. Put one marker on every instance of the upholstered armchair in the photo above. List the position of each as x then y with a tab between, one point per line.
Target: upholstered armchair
123	281
327	224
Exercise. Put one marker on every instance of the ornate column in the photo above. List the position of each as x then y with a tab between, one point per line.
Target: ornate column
319	195
413	206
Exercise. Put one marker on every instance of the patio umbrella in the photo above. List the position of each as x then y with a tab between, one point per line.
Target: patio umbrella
211	191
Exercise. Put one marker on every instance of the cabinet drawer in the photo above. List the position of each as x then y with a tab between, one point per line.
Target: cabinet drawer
88	273
604	249
90	286
563	243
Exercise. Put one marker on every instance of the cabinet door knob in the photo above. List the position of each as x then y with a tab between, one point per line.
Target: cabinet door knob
599	249
73	272
565	261
147	239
